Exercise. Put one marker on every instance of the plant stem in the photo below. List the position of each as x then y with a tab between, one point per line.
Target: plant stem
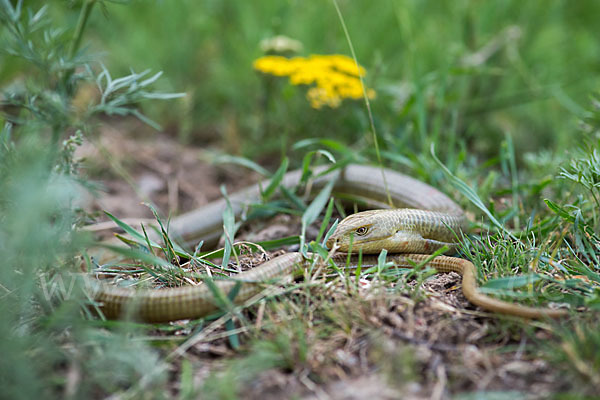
84	14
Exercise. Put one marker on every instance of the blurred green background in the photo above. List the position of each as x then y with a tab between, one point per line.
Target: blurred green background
465	71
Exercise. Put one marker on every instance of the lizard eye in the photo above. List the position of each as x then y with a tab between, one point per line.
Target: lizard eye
362	231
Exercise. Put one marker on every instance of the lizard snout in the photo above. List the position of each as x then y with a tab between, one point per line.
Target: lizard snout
331	241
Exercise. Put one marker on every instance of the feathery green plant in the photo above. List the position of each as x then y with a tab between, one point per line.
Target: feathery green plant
46	113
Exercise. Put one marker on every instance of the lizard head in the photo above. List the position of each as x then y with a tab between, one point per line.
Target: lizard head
365	231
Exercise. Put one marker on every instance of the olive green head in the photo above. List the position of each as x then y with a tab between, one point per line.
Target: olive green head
364	231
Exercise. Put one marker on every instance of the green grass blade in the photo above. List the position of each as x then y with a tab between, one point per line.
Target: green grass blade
275	180
128	229
470	194
229	228
138	255
511	282
326	219
244	162
313	210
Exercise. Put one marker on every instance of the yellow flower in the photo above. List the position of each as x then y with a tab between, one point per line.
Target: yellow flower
318	97
303	76
275	65
347	65
336	77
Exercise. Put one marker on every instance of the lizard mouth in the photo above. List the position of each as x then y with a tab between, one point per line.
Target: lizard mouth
356	242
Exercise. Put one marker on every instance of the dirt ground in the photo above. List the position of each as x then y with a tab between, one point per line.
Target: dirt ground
452	346
155	170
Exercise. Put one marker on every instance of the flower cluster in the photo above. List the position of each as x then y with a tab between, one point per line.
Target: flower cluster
336	77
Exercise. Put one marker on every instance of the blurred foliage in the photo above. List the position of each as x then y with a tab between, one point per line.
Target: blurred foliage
465	69
56	87
47	348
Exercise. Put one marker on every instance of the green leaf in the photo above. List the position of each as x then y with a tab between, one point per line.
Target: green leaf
332	144
128	229
314	209
275	180
558	210
270	209
229	228
168	249
312	212
511	282
186	384
381	261
235	290
358	269
226	304
234	340
400	159
326	219
226	158
292	197
141	239
138	255
220	299
306	161
330	231
276	243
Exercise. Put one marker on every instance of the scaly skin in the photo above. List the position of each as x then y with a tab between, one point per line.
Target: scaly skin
396	230
401	230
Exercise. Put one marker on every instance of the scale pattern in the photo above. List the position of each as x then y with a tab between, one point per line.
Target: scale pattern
433	225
